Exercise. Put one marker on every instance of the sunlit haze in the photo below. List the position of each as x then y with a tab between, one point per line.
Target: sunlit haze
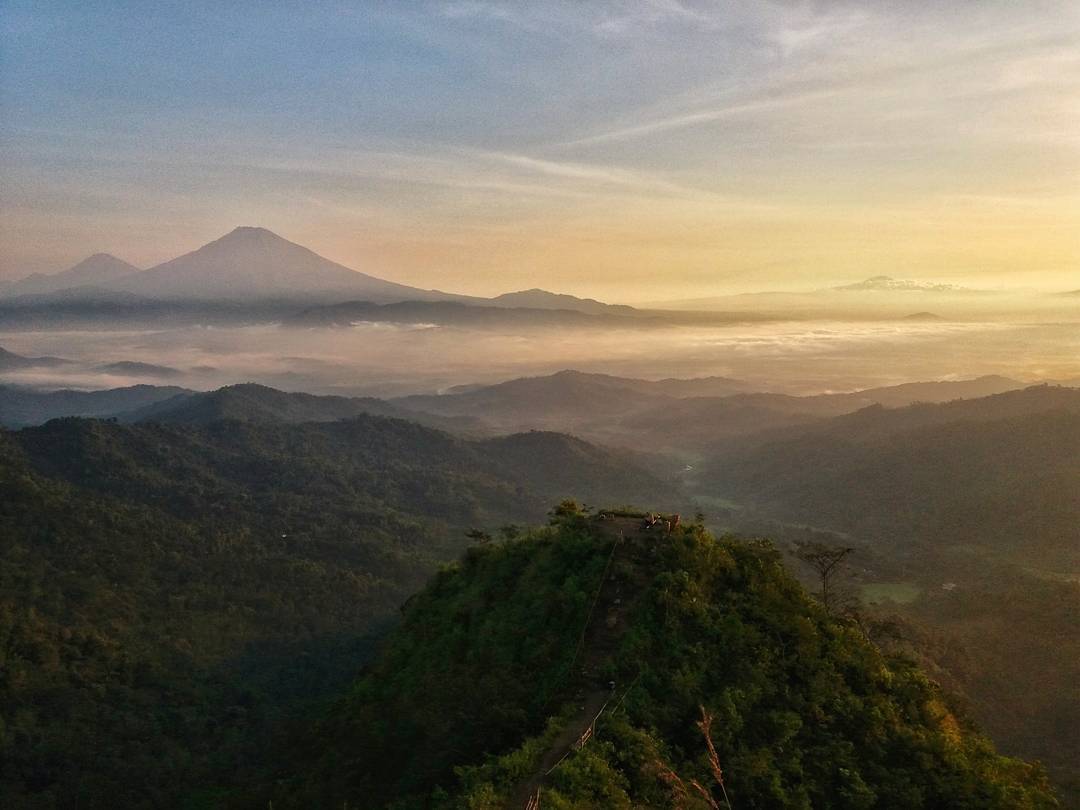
531	405
634	152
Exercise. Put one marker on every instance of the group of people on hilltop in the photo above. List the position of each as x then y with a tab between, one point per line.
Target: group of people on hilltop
650	520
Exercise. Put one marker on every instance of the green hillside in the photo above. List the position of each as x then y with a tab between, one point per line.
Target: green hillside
970	509
505	659
978	473
171	595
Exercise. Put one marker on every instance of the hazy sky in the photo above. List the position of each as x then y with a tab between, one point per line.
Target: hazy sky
631	151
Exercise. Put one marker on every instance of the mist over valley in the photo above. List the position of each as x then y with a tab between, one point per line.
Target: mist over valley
551	406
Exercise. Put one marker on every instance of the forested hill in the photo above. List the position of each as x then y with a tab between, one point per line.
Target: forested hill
368	460
598	664
20	407
249	402
1001	472
169	594
973	508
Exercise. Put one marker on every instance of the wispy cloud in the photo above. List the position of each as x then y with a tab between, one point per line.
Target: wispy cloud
678	135
701	116
597	177
827	29
863	80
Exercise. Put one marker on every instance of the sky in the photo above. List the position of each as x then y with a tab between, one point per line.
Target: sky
635	151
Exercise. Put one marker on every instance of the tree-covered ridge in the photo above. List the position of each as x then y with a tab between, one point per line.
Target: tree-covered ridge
289	478
476	689
248	402
169	595
1008	483
21	407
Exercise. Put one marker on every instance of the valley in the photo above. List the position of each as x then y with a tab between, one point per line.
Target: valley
480	405
378	493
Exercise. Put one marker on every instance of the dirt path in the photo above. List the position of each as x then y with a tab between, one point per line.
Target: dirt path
592	706
624	581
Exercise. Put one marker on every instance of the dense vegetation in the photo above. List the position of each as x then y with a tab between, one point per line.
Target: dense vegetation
175	599
970	508
1008	647
479	681
171	594
998	473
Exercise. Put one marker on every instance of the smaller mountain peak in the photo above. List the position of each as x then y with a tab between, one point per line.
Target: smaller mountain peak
104	259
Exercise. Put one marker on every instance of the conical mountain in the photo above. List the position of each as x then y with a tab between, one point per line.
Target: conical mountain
93	271
252	263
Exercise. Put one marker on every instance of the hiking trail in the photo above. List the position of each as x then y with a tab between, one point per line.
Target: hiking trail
626	577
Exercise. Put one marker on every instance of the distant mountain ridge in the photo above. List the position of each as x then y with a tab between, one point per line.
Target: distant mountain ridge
890	284
249	402
22	407
536	298
999	471
566	400
9	361
252	264
661	412
134	368
475	315
598	406
248	263
101	268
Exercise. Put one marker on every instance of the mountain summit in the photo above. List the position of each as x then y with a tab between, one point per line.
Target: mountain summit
256	263
628	660
93	271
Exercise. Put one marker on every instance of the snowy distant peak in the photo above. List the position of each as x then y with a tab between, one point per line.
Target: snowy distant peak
890	284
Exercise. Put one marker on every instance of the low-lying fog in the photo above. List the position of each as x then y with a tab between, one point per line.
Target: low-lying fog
385	360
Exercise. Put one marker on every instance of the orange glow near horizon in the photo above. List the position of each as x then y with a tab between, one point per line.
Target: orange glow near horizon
629	153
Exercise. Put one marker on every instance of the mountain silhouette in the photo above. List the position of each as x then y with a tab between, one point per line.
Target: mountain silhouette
101	268
254	263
